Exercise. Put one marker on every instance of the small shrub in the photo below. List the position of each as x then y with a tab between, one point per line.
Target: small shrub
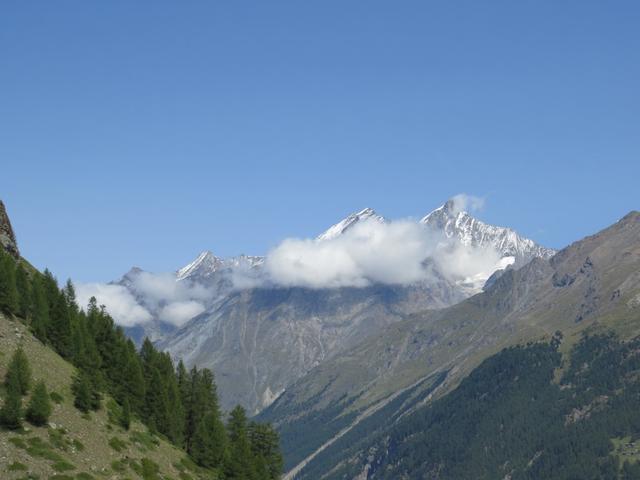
84	476
150	469
56	398
118	466
38	448
135	466
63	466
16	466
78	445
18	442
117	444
145	440
57	439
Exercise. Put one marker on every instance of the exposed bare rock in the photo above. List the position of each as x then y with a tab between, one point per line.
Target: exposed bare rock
7	237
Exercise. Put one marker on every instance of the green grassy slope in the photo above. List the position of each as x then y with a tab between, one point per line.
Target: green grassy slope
77	446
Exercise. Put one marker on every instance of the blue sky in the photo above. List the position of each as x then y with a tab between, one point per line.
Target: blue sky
139	133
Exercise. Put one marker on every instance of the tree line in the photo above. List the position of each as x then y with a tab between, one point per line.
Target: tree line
180	404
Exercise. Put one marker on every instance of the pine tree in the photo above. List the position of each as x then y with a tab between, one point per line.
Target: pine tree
125	420
209	442
20	371
11	411
86	396
40	309
24	292
265	444
240	464
39	408
133	387
156	403
8	290
60	326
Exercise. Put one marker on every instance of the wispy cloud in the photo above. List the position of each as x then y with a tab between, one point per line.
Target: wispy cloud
467	203
121	304
149	296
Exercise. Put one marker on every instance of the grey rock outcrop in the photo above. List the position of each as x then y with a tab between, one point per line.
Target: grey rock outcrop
7	237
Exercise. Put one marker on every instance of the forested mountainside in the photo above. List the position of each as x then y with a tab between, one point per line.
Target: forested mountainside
593	283
79	401
525	413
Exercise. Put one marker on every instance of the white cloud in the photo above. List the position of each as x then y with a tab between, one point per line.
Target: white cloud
398	253
179	313
373	252
151	295
120	303
467	203
160	288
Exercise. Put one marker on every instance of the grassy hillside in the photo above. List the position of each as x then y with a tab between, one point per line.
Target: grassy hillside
75	445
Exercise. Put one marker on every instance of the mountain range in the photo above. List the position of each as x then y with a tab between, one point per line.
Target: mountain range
528	369
357	397
260	340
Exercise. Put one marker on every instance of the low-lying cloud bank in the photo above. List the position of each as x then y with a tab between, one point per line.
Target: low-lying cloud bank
121	304
147	296
397	253
371	252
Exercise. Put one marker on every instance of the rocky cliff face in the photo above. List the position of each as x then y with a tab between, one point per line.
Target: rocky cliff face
7	237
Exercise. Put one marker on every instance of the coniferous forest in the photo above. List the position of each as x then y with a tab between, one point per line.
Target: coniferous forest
179	404
525	413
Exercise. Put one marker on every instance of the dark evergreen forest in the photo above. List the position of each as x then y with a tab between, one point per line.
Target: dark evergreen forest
523	414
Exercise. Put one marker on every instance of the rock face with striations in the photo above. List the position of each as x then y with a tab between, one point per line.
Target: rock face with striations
7	237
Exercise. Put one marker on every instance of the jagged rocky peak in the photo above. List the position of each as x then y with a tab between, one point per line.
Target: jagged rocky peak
339	228
455	222
205	264
7	237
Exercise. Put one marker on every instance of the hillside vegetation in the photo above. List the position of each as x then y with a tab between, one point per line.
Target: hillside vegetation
509	419
76	445
117	412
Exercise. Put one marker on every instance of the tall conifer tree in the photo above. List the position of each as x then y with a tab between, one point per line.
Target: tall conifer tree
39	409
11	411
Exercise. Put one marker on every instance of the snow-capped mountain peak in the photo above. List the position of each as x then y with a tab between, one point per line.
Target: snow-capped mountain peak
339	228
204	264
456	223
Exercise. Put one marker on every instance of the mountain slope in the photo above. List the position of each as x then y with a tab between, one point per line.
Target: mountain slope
581	421
592	282
91	446
259	340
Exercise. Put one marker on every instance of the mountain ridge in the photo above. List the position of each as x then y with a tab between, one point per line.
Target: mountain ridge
314	324
603	289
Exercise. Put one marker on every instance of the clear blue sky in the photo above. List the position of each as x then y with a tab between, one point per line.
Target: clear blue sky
143	132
